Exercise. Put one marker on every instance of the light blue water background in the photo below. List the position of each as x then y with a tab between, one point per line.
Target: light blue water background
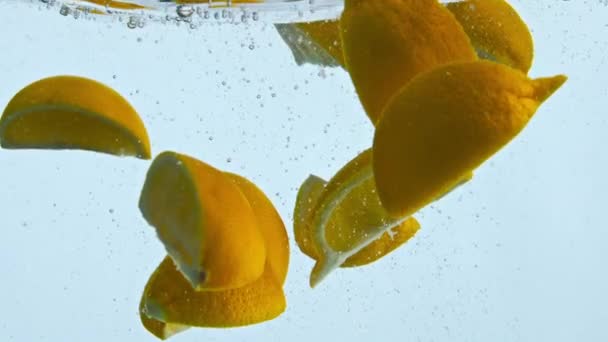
518	254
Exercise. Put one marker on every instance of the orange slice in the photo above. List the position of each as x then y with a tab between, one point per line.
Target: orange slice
69	112
205	222
496	31
445	123
386	43
316	42
169	303
270	224
343	224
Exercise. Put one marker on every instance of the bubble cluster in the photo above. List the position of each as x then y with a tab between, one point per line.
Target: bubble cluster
136	13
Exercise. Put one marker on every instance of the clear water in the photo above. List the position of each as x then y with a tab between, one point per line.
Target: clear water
518	254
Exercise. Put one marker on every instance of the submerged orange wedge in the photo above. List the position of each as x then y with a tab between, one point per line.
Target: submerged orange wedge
316	42
69	112
326	34
386	43
496	31
205	222
170	303
271	226
343	224
307	200
445	123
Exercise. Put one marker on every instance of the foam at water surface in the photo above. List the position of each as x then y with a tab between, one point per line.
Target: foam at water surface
136	13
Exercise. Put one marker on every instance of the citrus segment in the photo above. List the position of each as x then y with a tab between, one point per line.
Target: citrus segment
270	224
169	303
386	43
326	33
496	31
306	201
386	243
316	42
349	217
342	223
69	112
158	328
205	222
445	123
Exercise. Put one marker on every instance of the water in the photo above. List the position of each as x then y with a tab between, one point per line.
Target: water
515	255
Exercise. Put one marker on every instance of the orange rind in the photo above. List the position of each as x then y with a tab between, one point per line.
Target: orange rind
205	222
343	224
178	198
496	31
69	112
445	123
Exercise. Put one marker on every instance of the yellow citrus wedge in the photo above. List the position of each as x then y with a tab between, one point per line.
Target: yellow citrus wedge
445	123
169	304
496	31
271	226
306	201
343	224
316	42
68	112
386	43
383	245
158	328
204	221
326	33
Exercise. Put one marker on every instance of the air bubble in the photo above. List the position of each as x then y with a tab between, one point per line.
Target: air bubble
185	11
132	23
64	10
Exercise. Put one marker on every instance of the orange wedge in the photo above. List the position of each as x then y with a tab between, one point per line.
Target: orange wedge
205	222
316	42
496	31
306	202
271	226
326	33
68	112
343	224
445	123
386	43
170	305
